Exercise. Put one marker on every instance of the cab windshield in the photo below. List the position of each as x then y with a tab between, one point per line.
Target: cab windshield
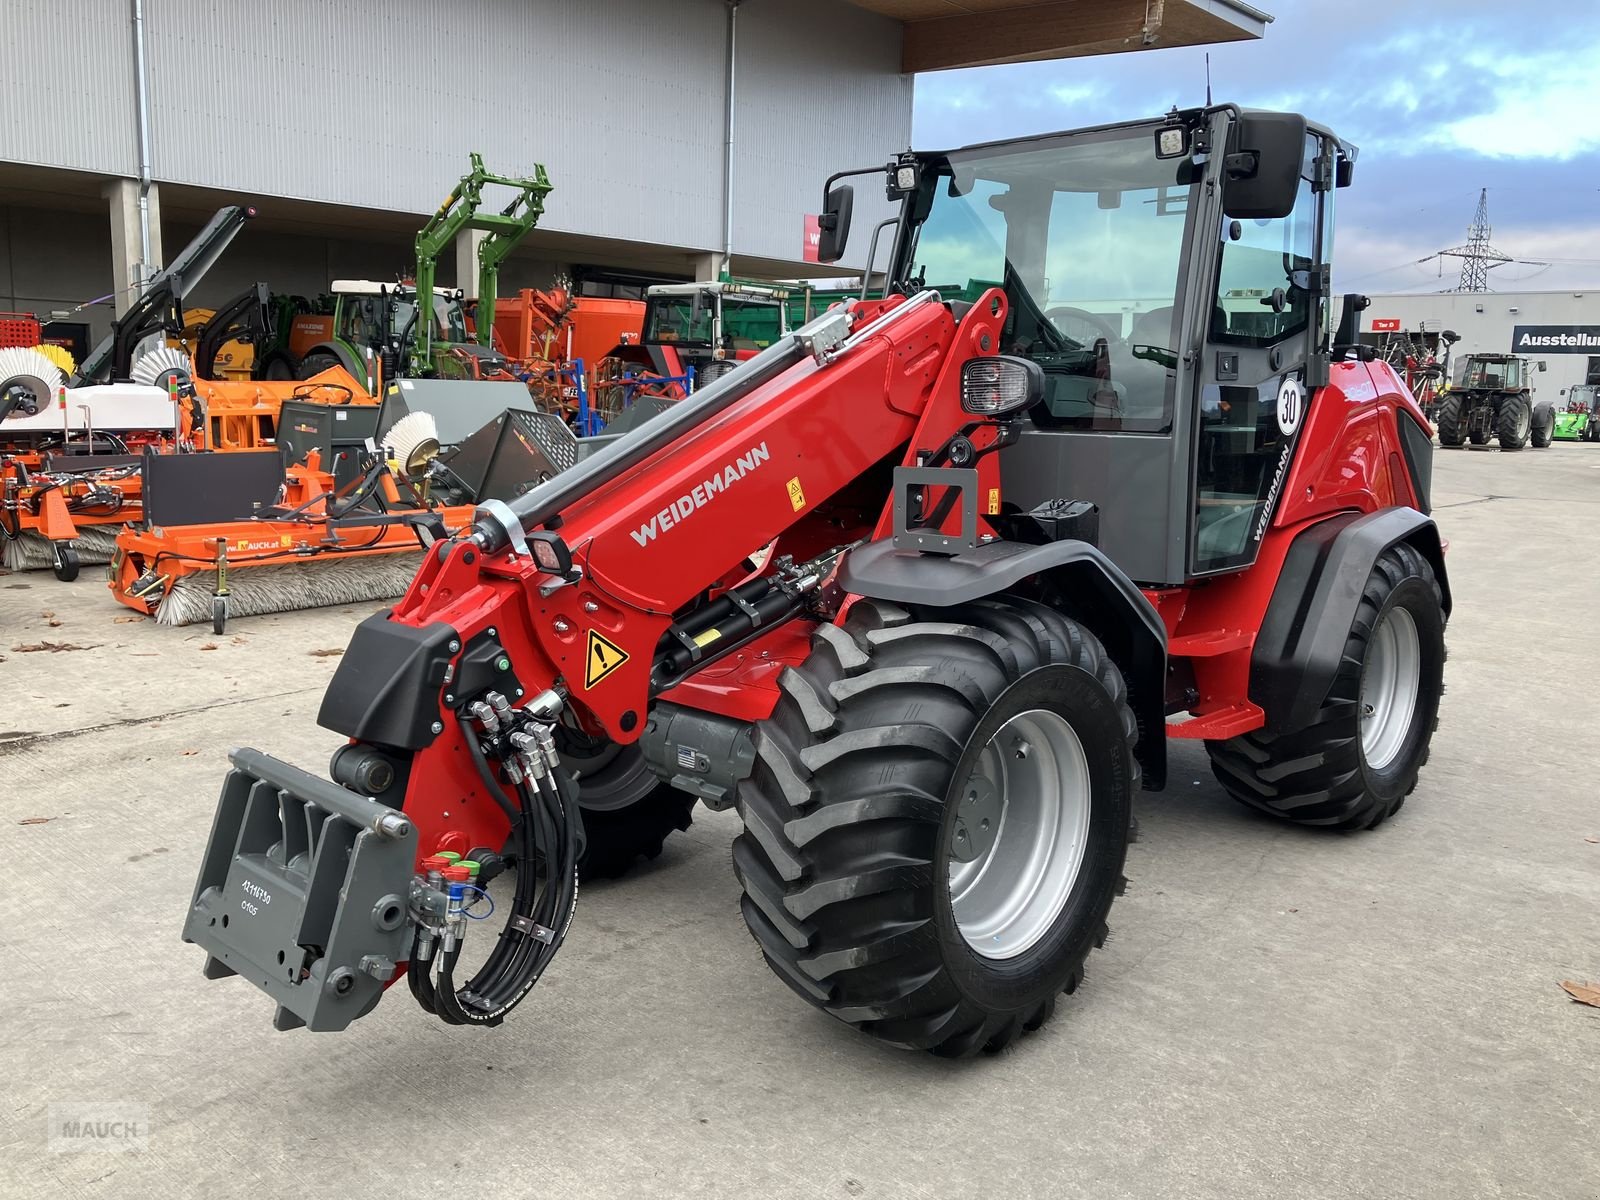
449	325
1086	234
748	322
681	320
1490	375
751	322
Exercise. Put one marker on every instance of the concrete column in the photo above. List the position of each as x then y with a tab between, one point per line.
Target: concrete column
467	243
707	267
128	271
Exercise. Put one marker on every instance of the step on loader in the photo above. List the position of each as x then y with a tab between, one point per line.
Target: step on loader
922	591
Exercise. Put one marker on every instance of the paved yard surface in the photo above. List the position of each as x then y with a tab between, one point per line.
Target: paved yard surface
1278	1013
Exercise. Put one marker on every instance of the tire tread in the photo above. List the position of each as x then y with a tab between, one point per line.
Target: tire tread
845	803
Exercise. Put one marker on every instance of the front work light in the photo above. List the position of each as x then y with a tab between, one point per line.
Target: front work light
1000	386
550	553
1172	141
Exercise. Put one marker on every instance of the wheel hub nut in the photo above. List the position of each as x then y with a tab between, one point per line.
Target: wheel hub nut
977	819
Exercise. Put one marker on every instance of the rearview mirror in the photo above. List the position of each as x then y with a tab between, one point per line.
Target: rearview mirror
834	224
1266	156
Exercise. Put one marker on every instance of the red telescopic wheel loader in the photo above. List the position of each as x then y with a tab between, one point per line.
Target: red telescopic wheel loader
921	590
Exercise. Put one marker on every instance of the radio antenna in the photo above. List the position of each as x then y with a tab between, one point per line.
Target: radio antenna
1208	79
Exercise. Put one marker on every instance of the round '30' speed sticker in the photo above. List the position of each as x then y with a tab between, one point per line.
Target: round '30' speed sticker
1291	405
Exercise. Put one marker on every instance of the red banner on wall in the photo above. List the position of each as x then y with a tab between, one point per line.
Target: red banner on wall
1385	324
813	235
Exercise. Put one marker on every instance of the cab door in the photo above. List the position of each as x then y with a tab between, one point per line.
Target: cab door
1268	317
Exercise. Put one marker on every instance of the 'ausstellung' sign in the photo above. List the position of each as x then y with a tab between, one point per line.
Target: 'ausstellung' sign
1555	339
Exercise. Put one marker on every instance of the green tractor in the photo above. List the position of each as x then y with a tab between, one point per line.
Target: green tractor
362	326
1579	422
1491	396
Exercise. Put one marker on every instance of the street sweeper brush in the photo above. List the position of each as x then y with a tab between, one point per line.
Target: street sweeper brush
29	381
66	512
162	367
61	356
412	443
28	550
318	582
310	544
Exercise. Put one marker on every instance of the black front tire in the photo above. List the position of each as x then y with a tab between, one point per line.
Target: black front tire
1451	431
279	365
850	818
1513	423
315	364
219	615
627	812
1543	427
1320	775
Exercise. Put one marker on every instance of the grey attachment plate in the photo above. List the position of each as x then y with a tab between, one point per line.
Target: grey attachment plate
303	892
934	481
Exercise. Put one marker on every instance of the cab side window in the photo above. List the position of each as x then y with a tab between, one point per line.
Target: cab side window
1260	298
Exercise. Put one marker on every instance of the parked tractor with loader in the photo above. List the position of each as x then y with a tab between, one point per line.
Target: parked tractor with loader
1579	421
921	590
379	330
1491	396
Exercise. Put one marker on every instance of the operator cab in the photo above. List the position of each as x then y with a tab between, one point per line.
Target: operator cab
1170	278
369	311
715	320
1491	373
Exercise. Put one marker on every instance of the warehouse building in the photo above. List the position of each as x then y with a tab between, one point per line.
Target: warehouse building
680	135
1559	329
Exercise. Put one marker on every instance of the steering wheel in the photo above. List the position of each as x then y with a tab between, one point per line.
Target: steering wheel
1063	313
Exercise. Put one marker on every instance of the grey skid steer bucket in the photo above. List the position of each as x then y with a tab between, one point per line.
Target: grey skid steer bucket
304	892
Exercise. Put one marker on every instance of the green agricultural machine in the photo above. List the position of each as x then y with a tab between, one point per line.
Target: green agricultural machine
1491	396
1578	422
806	302
369	327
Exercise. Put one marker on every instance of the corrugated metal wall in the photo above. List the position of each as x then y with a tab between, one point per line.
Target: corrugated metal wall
66	86
377	102
817	90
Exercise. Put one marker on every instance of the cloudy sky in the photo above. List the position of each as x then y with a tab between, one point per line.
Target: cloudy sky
1442	99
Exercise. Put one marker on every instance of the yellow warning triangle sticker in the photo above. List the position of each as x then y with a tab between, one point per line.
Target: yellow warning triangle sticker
603	657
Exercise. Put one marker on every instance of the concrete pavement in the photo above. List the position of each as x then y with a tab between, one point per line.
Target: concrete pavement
1278	1012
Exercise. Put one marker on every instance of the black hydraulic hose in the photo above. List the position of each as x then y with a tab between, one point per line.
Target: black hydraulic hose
525	903
522	951
330	510
548	821
491	785
419	974
498	986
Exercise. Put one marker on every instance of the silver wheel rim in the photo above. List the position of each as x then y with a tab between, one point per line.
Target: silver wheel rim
1389	685
1021	830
